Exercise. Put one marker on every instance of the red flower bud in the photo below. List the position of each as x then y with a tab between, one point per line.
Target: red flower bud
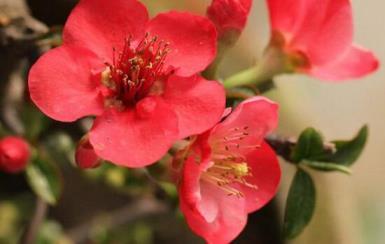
85	155
230	17
14	154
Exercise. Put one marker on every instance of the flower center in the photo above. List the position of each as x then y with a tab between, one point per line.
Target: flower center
229	167
135	72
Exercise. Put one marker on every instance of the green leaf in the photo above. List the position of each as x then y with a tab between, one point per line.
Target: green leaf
309	146
326	166
300	204
347	152
44	180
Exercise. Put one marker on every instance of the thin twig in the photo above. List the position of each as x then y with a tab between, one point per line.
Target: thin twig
30	234
283	146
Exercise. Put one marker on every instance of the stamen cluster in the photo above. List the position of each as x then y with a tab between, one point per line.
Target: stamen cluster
132	74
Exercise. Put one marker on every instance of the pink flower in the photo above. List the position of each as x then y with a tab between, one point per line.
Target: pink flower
137	76
230	172
229	16
85	156
14	154
317	36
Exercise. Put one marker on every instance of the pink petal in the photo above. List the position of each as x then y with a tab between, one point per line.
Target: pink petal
135	137
354	63
266	175
320	29
226	213
209	211
101	25
192	40
255	117
198	103
62	86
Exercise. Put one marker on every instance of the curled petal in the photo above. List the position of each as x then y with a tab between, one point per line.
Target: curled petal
192	40
62	85
209	211
248	124
354	63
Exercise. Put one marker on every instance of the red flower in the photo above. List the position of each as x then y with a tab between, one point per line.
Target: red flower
317	36
229	16
85	156
230	172
137	76
14	154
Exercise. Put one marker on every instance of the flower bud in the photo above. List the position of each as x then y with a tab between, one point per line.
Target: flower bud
85	155
14	154
230	17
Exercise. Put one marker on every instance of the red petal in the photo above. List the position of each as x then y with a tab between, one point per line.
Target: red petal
320	29
100	25
266	175
192	40
135	137
224	216
209	211
354	63
256	116
61	84
198	103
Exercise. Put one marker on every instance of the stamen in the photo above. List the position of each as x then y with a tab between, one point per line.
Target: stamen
229	168
134	71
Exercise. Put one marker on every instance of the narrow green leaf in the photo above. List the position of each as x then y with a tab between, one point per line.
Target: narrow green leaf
326	166
349	151
309	146
300	204
44	180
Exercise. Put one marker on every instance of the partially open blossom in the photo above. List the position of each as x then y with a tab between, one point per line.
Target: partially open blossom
229	172
230	17
85	156
316	37
14	154
137	76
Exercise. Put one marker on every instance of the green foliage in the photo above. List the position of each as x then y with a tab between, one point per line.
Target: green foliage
309	146
300	204
311	151
44	179
347	152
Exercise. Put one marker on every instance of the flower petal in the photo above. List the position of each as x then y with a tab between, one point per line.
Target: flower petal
135	137
250	121
320	29
227	215
61	84
209	211
192	40
266	175
354	63
198	103
101	25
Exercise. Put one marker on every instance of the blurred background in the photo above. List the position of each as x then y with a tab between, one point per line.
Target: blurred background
103	206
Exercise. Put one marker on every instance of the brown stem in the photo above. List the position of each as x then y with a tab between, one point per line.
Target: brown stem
283	146
30	233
